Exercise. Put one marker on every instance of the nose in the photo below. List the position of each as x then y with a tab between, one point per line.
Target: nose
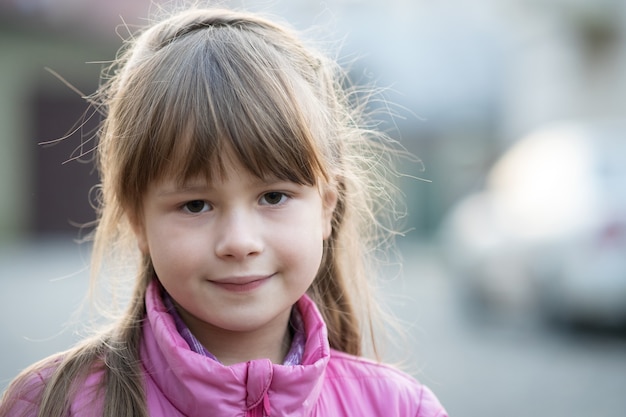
238	236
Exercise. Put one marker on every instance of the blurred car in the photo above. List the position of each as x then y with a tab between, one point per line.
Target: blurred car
547	232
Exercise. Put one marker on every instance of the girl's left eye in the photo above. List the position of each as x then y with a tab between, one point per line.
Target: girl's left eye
273	198
196	206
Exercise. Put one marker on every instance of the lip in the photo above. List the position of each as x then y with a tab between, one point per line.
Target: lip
243	283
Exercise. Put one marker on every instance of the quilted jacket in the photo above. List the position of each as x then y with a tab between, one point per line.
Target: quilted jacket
179	382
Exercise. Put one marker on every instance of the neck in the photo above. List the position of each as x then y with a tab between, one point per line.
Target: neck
229	347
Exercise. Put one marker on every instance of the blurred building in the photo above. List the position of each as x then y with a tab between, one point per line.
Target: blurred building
468	78
46	47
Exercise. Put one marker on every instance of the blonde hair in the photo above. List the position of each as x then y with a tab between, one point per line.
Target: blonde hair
187	89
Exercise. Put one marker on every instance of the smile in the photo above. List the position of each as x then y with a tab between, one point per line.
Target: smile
242	284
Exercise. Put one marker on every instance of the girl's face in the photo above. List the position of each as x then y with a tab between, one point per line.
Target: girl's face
235	254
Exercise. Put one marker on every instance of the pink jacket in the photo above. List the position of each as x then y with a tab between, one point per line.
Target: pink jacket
179	382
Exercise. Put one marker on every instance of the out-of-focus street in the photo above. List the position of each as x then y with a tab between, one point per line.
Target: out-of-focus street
514	366
509	367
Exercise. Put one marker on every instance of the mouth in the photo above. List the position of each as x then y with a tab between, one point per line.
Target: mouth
243	283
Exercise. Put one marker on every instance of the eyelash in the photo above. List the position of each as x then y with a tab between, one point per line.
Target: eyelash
283	197
185	206
206	206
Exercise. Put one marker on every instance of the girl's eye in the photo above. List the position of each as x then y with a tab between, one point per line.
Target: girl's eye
273	198
196	206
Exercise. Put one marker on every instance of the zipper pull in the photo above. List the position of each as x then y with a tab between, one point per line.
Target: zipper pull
266	404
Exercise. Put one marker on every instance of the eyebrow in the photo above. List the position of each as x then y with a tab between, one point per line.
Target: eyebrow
185	189
173	189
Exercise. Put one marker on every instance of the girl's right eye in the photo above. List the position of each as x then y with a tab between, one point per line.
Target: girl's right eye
196	206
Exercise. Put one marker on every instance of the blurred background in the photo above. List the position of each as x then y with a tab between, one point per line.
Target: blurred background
514	282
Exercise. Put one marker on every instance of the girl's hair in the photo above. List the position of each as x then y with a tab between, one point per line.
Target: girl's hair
182	93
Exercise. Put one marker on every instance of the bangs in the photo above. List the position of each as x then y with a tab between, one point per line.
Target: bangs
215	100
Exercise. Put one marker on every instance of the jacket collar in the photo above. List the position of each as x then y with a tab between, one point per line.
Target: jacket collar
197	385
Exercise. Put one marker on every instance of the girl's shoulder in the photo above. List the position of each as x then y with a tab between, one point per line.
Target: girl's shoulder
25	394
343	363
379	386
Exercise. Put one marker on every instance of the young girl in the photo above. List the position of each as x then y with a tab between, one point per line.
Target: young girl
238	173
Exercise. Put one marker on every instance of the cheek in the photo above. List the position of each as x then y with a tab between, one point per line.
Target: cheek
303	246
170	251
164	258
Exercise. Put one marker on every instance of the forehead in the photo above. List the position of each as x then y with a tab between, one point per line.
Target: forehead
230	169
195	163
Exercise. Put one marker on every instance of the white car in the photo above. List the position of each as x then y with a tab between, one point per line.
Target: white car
547	233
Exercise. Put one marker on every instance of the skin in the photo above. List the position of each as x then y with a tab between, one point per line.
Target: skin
235	255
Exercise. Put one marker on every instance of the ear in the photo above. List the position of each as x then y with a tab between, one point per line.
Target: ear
329	202
137	224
